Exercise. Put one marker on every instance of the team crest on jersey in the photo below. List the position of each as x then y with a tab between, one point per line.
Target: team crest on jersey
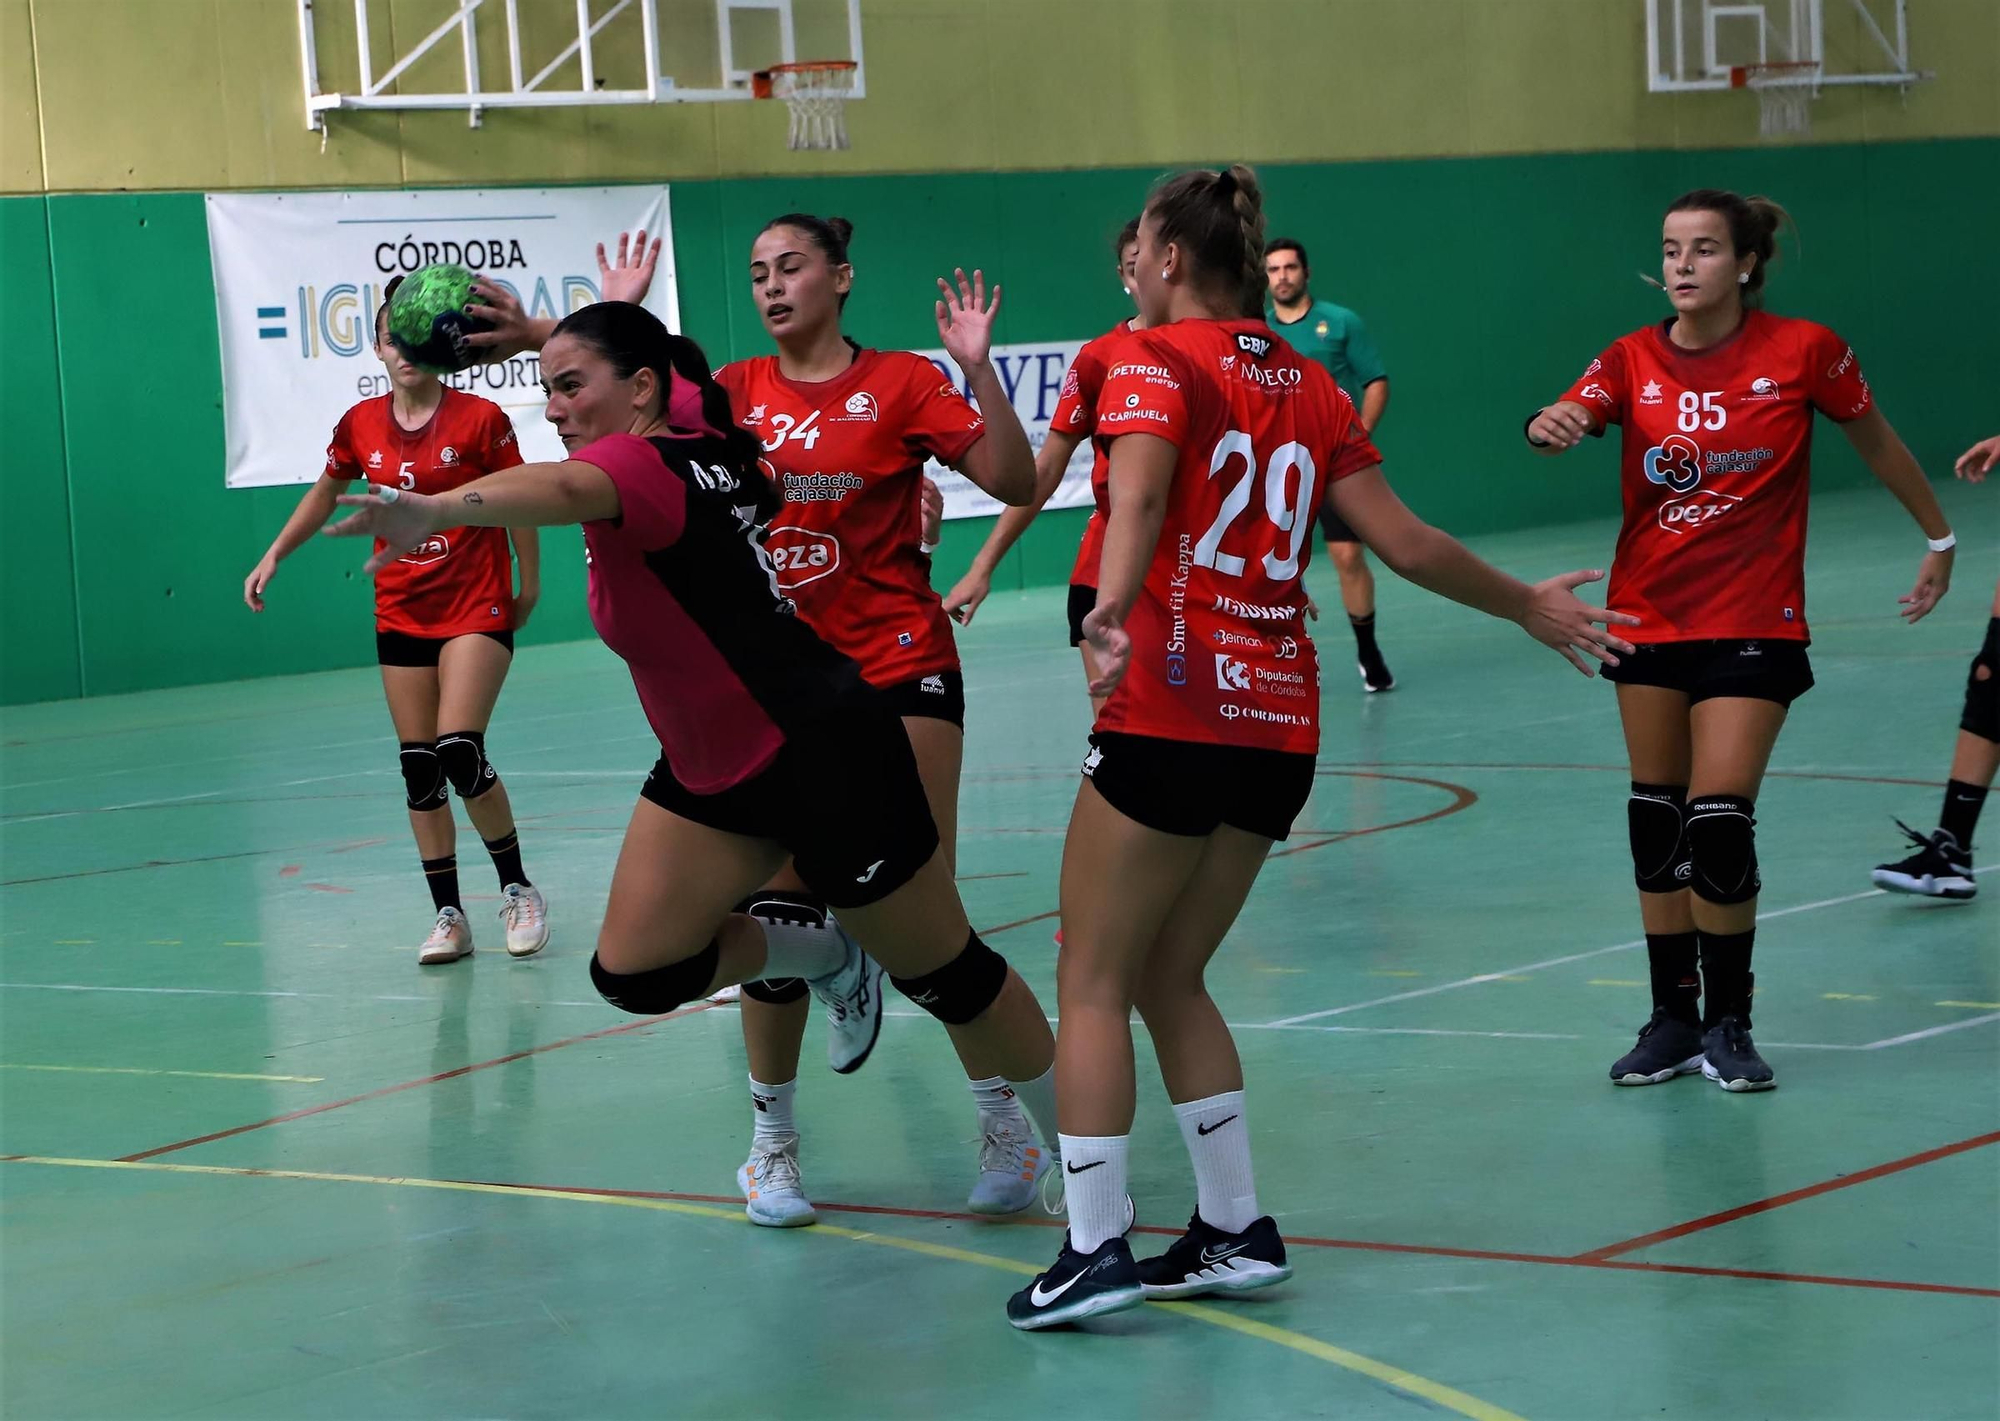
1252	345
1072	385
1320	329
1228	363
1763	388
860	406
1651	394
1595	366
448	455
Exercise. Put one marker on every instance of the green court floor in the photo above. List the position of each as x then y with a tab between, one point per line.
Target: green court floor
259	1164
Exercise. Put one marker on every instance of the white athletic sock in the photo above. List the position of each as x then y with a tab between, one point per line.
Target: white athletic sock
994	1096
791	950
1039	1096
1219	1144
773	1109
1094	1181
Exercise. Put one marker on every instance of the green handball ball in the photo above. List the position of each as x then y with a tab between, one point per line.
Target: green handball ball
427	319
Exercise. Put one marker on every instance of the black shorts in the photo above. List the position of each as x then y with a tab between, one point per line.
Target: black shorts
937	697
1081	602
1760	670
402	649
843	797
1190	788
1333	527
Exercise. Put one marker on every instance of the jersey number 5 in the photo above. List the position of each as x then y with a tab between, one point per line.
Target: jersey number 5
1290	515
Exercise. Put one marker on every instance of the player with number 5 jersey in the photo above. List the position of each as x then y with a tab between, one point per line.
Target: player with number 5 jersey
1715	406
1221	440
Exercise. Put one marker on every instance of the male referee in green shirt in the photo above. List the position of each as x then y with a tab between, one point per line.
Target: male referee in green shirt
1335	337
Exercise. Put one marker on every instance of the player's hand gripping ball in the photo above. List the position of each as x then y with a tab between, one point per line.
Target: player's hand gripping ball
428	320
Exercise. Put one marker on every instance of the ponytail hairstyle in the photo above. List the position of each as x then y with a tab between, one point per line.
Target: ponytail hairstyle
632	338
382	311
1753	228
1218	220
830	234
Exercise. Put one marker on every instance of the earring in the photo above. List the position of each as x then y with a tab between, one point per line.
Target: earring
1163	273
1742	278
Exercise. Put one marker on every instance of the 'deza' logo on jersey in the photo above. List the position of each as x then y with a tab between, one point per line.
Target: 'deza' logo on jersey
1678	515
432	549
1675	461
799	556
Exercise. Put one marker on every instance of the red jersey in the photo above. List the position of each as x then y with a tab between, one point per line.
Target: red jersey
1716	446
462	579
847	455
1219	646
1076	413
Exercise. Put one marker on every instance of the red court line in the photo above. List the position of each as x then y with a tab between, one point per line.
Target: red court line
412	1085
1358	1245
1778	1201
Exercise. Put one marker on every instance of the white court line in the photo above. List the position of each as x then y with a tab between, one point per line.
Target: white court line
1506	972
1931	1031
184	798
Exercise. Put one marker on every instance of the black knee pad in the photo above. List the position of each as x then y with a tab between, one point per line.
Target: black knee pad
463	755
1982	688
1654	815
424	785
1722	841
777	906
963	988
661	990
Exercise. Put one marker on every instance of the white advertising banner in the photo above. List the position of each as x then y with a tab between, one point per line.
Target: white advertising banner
298	276
1032	376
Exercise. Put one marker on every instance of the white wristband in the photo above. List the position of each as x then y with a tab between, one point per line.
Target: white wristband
1944	544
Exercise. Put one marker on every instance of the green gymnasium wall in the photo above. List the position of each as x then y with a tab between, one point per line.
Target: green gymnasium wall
1489	283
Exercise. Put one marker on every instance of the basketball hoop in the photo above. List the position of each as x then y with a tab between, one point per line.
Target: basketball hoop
816	94
1784	95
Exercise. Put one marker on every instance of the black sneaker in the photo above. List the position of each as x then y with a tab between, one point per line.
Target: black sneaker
1207	1260
1729	1057
1938	869
1078	1285
1668	1046
1375	673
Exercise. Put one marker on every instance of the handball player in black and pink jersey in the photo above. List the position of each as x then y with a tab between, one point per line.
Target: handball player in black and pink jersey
1715	405
445	618
1223	442
1074	418
774	748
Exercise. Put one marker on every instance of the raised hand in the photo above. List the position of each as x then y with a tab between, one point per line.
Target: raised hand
1977	462
965	319
630	276
1113	645
1558	618
402	520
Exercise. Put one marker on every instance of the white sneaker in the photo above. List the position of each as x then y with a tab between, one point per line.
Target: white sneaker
723	996
450	939
1011	1165
527	920
853	999
773	1194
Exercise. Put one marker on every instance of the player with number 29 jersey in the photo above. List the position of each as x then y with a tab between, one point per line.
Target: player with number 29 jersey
1716	452
1220	652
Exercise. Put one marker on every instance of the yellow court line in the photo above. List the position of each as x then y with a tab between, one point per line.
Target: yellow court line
141	1071
1615	982
1983	1006
1418	1386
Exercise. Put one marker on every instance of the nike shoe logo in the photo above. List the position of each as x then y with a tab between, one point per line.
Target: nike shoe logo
1042	1299
871	871
1216	1255
1080	1168
1211	1129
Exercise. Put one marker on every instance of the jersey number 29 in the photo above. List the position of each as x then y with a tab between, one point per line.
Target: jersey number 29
1291	515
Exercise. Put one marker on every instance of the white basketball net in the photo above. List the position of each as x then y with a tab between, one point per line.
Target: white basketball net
816	95
1784	98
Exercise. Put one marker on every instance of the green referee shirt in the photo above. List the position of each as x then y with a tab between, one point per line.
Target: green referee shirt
1335	337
